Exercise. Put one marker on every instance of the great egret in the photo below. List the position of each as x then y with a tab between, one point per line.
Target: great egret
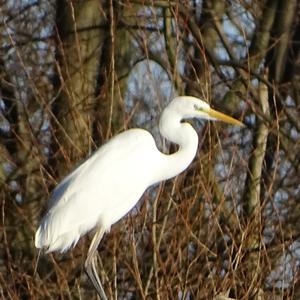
105	187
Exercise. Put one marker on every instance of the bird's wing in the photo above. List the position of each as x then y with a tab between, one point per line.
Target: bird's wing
113	151
105	186
65	184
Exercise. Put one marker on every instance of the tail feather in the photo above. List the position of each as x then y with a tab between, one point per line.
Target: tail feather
51	237
59	243
58	231
37	239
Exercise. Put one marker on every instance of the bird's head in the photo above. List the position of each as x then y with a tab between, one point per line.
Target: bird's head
192	107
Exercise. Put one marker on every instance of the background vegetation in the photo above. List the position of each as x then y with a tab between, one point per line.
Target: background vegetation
74	73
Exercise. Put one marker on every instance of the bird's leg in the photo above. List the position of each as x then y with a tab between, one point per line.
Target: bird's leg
90	264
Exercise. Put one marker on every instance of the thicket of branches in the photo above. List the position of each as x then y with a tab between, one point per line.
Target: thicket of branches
74	73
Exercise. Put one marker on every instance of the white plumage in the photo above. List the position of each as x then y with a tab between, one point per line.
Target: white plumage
106	186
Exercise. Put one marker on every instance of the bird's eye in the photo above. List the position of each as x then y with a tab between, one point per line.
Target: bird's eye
198	107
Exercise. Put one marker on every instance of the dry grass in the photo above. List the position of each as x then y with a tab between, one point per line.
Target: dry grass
188	238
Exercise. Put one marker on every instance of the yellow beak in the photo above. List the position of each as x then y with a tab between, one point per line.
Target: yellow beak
220	116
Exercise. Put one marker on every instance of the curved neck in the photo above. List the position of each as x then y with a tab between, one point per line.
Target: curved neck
182	134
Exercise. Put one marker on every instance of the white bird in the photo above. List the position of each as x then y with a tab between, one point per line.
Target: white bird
106	186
